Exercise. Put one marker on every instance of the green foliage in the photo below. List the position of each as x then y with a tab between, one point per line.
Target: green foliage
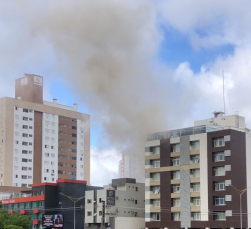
15	221
12	227
1	205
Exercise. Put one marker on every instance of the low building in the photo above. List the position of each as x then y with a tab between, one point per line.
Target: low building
122	204
51	203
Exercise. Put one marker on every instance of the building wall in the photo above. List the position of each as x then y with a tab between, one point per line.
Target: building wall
49	167
248	163
7	147
234	163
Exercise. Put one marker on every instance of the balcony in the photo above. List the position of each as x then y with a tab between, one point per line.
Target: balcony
36	211
11	212
35	222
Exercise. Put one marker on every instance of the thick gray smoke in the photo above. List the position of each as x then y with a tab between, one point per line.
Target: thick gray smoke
105	51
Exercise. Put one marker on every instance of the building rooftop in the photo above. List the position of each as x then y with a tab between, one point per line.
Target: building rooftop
217	123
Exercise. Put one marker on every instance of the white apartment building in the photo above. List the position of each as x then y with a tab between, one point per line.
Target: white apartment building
41	141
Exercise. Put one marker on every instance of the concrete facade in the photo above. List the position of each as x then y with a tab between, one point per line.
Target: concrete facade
41	141
191	174
128	211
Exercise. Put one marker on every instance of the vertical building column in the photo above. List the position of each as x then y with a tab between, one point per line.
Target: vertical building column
185	211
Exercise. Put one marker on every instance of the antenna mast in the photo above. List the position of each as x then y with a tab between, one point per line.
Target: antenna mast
223	91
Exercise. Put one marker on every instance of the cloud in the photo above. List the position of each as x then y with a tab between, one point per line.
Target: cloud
209	23
107	52
104	166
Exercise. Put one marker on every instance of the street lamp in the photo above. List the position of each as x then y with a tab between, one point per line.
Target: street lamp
240	192
74	200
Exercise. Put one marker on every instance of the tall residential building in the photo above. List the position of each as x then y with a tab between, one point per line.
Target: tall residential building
122	204
192	175
128	166
41	141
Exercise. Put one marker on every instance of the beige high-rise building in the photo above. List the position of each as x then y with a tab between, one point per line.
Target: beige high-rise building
41	141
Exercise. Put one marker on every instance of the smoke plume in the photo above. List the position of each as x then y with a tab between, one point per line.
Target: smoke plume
105	51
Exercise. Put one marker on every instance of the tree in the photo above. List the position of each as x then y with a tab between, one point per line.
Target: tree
1	205
22	221
12	227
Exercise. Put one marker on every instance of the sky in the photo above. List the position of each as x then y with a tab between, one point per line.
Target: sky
137	66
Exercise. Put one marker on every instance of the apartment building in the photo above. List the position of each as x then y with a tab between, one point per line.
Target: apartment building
192	173
128	166
41	141
122	203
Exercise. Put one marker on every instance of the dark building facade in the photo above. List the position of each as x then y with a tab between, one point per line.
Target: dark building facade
52	199
192	175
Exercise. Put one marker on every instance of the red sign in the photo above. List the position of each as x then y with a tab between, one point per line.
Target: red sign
24	199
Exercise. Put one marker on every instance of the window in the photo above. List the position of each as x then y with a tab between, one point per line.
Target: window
136	201
175	188
194	159
156	176
24	177
217	142
24	143
34	205
25	118
194	145
175	216
220	215
25	127
219	156
156	164
16	125
25	135
175	202
24	168
30	143
155	189
156	203
195	173
155	150
195	187
155	216
89	213
89	201
219	171
46	162
176	174
219	186
46	154
16	142
24	160
219	200
25	110
175	161
195	201
195	215
175	148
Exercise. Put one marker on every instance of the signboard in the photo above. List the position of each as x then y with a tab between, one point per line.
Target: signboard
55	221
24	81
38	80
110	197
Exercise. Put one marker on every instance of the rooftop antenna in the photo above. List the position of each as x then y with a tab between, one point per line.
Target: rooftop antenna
223	91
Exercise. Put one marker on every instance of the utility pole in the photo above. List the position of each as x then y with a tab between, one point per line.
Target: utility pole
103	215
74	200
